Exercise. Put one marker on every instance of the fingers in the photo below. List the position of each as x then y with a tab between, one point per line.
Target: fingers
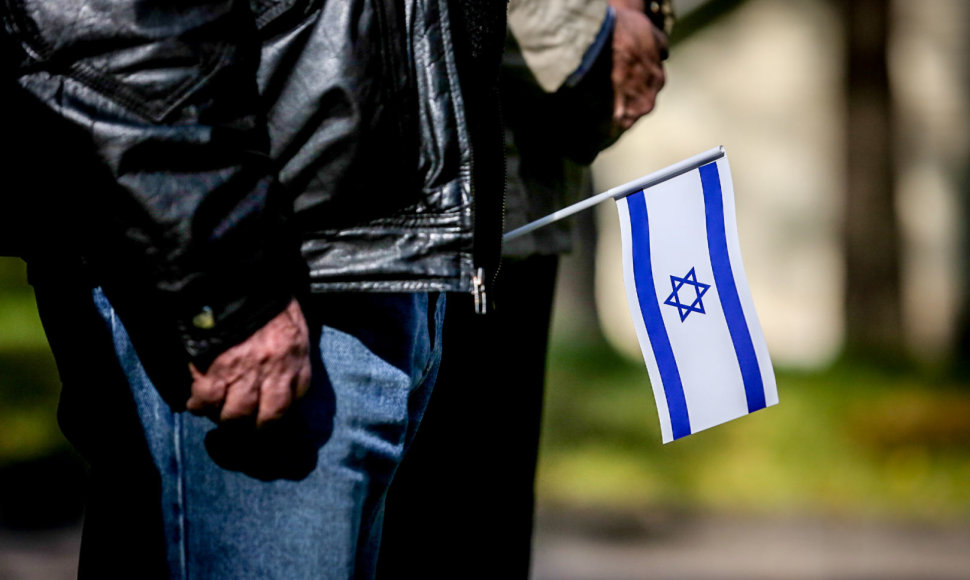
302	383
637	5
281	389
259	378
251	395
242	397
275	399
207	393
638	75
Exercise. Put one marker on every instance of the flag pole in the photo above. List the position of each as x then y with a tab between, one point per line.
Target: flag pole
621	190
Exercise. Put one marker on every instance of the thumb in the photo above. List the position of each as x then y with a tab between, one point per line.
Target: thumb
196	375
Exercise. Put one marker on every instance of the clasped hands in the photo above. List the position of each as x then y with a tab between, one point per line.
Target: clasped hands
259	378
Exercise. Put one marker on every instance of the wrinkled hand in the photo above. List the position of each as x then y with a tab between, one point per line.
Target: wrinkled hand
639	48
260	377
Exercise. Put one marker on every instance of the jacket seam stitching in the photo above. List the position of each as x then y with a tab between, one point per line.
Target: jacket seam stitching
106	87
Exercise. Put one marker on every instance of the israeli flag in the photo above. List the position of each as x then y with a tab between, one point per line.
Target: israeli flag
691	306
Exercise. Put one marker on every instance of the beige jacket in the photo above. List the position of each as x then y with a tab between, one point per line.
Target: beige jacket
554	34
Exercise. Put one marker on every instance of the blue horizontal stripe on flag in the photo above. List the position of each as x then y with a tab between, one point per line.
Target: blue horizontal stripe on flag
754	389
652	319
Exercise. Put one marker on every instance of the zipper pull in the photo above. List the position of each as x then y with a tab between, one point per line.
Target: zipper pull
478	291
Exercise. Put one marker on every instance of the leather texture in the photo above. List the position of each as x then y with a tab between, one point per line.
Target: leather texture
237	147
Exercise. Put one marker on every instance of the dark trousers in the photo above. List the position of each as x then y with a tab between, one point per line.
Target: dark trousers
461	504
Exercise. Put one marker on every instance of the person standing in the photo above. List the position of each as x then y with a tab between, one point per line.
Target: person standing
266	203
575	75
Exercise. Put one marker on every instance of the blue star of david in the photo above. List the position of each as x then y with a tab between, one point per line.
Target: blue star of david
699	290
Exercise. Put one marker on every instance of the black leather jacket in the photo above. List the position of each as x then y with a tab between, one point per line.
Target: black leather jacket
216	142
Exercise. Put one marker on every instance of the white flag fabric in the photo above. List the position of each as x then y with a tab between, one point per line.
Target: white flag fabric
690	301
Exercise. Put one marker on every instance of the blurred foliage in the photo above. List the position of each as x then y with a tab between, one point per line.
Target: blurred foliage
853	441
29	385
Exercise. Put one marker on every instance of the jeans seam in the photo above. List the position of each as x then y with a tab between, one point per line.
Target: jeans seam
434	309
435	328
180	496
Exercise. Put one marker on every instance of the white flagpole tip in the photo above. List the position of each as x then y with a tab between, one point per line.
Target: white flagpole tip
622	190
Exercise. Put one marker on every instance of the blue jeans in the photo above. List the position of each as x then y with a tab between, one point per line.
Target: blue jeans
305	498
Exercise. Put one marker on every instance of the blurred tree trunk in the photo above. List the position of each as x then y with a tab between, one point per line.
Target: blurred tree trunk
872	246
576	293
962	347
961	355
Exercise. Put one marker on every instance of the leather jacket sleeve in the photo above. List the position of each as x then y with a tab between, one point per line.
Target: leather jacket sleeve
187	234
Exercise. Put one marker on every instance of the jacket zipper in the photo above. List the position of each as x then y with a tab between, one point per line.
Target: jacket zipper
479	293
485	239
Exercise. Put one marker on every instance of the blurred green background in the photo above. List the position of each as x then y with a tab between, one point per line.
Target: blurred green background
853	440
29	385
41	477
847	125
